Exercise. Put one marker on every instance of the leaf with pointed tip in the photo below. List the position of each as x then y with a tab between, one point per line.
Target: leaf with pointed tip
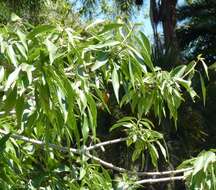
115	83
52	49
12	78
12	55
203	89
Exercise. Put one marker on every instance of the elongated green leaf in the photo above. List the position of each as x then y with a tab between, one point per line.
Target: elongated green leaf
40	29
110	26
116	83
154	154
131	73
98	64
2	72
12	78
85	128
20	105
146	43
21	50
22	37
110	43
178	71
163	150
203	89
52	49
3	141
121	124
82	173
136	154
95	23
205	68
12	55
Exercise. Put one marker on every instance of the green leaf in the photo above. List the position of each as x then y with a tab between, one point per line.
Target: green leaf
22	37
126	118
93	110
12	78
154	154
2	72
10	101
82	173
131	73
12	55
146	43
52	49
115	83
178	71
120	124
203	161
213	66
110	26
163	150
95	23
3	141
14	17
28	69
40	29
203	89
85	128
20	105
21	50
136	154
205	68
98	64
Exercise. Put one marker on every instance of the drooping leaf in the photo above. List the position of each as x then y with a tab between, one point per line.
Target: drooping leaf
115	83
203	89
85	128
12	55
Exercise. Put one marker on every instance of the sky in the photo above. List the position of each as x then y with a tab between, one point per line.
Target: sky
140	15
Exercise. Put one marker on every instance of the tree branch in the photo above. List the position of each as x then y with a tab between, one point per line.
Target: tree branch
102	162
106	143
159	180
41	143
119	169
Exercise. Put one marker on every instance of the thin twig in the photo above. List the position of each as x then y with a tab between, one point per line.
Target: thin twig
123	170
106	143
159	180
102	162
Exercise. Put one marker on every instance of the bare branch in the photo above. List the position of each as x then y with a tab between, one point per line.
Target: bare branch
106	143
119	169
41	143
159	180
102	162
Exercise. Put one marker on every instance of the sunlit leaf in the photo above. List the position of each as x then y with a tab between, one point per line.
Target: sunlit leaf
116	83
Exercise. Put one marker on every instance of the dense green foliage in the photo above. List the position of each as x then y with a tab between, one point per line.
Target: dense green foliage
67	86
54	81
